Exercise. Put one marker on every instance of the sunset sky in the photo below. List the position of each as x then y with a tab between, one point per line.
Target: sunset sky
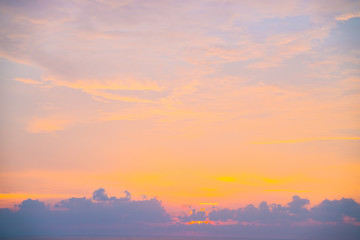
221	102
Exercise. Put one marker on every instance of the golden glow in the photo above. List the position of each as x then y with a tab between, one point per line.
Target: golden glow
197	188
284	190
227	179
24	196
198	222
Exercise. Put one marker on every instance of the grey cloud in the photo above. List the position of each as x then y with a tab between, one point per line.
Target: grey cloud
336	210
102	215
100	195
118	210
32	205
275	213
297	205
128	195
195	216
110	215
294	212
221	214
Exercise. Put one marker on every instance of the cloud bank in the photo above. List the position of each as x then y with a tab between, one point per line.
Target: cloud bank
99	215
102	215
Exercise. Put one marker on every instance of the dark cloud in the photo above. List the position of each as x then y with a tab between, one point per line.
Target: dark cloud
294	211
75	204
128	195
337	219
194	216
30	205
336	210
108	215
100	195
221	215
101	215
297	206
102	208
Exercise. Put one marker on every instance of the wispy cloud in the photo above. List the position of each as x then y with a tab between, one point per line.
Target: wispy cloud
207	101
48	124
347	16
307	140
28	81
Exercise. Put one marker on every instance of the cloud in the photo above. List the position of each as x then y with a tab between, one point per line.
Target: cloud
28	81
347	16
117	97
308	140
107	88
195	216
296	211
119	51
336	210
109	215
181	52
100	195
121	210
297	205
222	215
103	215
32	205
128	194
48	124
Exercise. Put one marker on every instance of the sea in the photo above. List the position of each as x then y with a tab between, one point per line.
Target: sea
121	238
130	238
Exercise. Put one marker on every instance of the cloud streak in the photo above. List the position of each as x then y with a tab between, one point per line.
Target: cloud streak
28	81
308	140
48	124
347	16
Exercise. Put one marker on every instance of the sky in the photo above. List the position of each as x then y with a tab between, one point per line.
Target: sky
192	103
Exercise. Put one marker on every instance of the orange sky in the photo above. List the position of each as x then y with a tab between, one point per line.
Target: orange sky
207	102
